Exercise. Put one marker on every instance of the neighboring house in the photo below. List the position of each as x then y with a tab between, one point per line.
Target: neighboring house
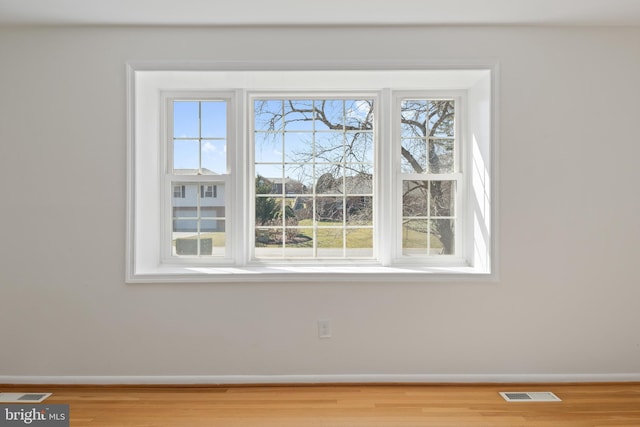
358	195
185	199
291	186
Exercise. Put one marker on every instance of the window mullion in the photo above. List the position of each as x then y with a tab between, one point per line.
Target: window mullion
386	180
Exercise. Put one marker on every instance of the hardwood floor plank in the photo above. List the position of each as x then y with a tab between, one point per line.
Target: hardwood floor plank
582	405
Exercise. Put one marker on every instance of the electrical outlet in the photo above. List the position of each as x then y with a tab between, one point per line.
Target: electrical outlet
324	328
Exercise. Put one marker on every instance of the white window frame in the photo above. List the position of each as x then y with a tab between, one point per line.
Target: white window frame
144	81
459	176
253	95
167	98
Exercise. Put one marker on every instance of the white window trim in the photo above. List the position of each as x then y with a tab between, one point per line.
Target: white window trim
140	267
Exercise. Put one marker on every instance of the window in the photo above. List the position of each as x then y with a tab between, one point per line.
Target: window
178	191
369	174
209	191
430	176
314	174
196	153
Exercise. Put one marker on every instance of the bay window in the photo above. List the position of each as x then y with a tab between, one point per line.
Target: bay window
262	178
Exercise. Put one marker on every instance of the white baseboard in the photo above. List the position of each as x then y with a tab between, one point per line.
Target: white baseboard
320	379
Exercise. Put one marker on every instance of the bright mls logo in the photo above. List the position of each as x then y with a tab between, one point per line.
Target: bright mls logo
34	415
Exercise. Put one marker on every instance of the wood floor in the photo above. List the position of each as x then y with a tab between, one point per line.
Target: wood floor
343	405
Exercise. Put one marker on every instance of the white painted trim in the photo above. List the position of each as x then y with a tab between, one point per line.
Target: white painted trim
343	272
322	379
130	249
315	65
494	121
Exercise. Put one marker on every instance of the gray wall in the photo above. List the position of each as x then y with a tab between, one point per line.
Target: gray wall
567	299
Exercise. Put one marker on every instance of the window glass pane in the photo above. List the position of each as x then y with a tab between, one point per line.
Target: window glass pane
329	179
298	115
268	210
441	156
414	111
329	147
191	245
329	211
413	156
330	242
214	157
443	236
359	179
268	147
269	242
415	199
185	212
185	157
268	115
298	252
212	211
411	131
298	147
299	237
186	198
266	175
219	239
299	178
329	114
359	210
441	118
443	196
359	242
185	225
186	119
359	114
298	242
359	147
415	236
214	119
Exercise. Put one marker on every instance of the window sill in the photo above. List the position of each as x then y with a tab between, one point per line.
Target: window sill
309	273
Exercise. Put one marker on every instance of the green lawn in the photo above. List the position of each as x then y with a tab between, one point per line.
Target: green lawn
356	238
219	238
329	237
418	239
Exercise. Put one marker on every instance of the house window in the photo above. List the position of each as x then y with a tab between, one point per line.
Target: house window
371	174
209	191
178	191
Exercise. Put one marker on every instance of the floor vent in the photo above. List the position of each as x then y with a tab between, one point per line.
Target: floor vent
23	397
529	396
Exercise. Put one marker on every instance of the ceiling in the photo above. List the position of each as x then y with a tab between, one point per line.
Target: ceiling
320	12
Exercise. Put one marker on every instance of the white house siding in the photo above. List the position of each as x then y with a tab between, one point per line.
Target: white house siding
185	211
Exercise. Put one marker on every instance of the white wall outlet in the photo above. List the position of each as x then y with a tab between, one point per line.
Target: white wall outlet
324	328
